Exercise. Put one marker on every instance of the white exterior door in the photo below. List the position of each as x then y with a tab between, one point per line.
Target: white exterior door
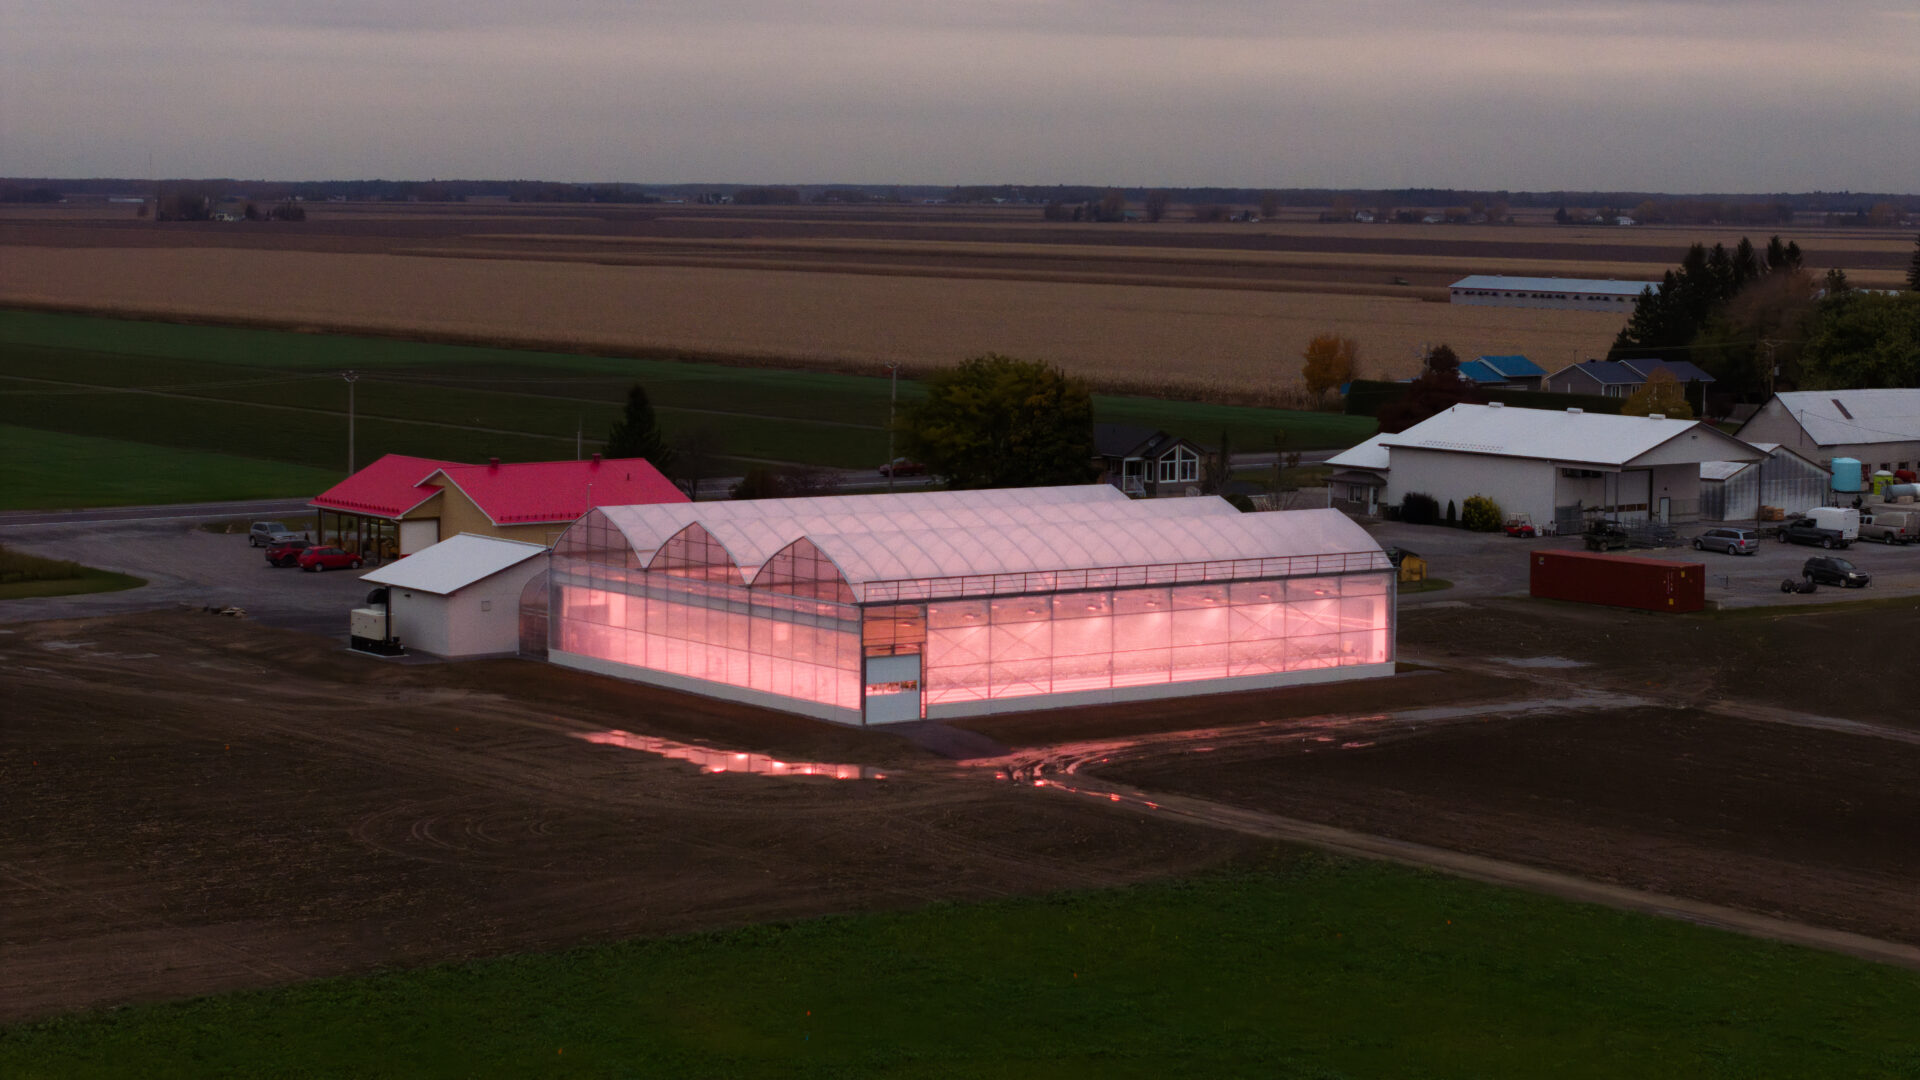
892	692
418	535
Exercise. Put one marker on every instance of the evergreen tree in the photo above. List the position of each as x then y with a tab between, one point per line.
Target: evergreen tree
637	434
1913	268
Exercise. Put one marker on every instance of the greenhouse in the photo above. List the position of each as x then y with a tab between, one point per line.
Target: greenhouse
884	608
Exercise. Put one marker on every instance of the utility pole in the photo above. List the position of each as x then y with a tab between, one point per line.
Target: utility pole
893	400
351	377
579	433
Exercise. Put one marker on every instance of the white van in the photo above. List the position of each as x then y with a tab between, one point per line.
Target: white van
1845	520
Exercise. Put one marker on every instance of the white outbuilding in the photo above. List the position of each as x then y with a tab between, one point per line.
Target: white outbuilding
1559	466
461	596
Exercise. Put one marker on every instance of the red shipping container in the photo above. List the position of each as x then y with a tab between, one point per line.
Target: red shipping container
1618	580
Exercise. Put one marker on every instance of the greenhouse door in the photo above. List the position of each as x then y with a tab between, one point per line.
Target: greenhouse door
892	689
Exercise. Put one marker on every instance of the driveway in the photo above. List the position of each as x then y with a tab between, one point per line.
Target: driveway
183	567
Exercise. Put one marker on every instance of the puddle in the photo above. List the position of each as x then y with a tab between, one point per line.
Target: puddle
711	760
1538	661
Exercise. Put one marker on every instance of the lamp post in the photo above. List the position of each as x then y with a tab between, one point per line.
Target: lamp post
893	400
351	377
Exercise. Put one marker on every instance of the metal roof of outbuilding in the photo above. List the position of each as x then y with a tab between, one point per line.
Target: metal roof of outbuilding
1513	367
1369	455
1605	286
1839	417
454	563
1552	435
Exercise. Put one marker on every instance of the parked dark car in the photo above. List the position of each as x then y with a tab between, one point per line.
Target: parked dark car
286	552
1802	531
328	558
1730	540
903	467
1829	570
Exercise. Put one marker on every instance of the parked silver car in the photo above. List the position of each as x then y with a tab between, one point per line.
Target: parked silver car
269	533
1733	541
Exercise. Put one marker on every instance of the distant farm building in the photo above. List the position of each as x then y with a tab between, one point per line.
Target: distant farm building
399	505
1574	294
1503	373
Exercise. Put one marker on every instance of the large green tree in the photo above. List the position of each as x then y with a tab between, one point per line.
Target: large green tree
637	433
997	421
1863	340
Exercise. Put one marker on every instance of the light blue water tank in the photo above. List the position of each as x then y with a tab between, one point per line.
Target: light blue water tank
1846	475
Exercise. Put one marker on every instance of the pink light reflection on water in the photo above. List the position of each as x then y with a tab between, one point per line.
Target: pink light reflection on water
711	760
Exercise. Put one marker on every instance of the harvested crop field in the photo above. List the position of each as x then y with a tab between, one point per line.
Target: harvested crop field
1218	311
1183	340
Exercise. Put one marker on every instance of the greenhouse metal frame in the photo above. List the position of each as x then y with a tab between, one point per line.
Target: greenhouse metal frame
889	608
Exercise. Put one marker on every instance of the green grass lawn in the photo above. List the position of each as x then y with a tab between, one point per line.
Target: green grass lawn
275	394
23	575
1316	967
44	470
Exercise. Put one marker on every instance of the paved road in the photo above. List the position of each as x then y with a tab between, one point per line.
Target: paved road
212	511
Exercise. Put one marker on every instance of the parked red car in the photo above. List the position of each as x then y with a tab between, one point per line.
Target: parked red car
903	467
286	553
328	558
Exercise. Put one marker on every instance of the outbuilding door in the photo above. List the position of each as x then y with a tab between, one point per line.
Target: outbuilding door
892	686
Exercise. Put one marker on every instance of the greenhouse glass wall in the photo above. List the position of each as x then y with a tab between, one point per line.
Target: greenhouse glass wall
884	608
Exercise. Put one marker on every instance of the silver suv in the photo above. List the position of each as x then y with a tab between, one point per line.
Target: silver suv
1731	541
269	533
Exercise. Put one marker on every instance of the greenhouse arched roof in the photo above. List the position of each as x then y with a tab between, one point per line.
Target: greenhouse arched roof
949	543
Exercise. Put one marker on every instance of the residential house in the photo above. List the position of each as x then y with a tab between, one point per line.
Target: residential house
1147	461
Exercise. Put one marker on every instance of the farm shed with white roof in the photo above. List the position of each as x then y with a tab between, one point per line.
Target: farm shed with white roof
1579	294
1880	428
884	608
1562	466
461	596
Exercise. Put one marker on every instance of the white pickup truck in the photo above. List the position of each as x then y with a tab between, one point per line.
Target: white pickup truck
1890	527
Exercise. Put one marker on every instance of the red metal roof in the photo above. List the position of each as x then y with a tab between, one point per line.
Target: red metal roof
512	494
542	491
387	488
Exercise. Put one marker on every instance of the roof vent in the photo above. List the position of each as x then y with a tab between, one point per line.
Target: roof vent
1575	411
596	458
1656	416
1496	404
493	463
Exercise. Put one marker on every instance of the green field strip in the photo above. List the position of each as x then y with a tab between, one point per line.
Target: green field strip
749	413
1314	968
51	470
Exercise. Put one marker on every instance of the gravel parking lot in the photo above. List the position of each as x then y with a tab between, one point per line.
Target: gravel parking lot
1494	564
183	567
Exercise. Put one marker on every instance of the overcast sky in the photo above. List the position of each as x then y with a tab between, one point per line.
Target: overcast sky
1707	95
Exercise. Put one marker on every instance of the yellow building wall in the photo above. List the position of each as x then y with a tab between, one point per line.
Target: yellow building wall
458	514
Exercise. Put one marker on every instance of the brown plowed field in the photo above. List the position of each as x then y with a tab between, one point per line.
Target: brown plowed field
197	804
1814	826
1209	310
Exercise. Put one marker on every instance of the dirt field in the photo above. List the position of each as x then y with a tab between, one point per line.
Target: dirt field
201	804
1811	825
1179	307
198	804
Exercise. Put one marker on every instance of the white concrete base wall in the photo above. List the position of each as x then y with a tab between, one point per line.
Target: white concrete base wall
1156	691
704	687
